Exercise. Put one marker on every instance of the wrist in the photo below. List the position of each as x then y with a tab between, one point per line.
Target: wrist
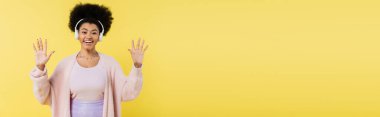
41	67
138	65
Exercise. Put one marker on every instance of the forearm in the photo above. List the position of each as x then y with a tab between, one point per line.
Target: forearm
136	78
41	85
134	84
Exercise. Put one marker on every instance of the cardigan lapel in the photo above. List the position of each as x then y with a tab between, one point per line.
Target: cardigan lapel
66	94
108	107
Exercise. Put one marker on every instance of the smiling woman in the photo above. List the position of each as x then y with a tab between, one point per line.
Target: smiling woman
88	83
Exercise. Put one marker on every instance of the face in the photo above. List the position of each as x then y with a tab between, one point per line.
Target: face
88	36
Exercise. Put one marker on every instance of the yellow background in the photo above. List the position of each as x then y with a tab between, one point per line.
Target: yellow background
214	58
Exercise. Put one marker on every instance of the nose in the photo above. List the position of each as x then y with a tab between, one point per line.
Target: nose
88	35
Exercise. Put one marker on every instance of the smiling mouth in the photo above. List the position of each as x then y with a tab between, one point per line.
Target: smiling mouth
88	42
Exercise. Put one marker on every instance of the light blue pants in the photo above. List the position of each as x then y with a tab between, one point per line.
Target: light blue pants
86	109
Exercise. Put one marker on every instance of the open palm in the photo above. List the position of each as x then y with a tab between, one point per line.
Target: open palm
137	52
40	54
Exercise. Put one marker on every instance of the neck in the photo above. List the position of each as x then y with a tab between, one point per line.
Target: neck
88	53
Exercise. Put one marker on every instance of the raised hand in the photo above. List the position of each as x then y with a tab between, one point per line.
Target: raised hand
40	53
137	52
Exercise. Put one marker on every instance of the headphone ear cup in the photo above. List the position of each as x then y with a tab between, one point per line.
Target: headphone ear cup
76	35
100	36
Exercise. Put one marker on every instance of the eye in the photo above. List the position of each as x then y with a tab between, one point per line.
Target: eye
84	32
95	33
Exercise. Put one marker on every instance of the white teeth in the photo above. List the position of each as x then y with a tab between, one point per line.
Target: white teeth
88	41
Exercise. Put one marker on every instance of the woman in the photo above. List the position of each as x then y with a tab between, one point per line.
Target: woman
88	83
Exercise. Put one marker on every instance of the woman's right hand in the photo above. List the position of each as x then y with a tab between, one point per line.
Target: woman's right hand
40	53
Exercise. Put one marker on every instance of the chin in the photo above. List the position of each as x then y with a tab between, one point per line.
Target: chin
87	47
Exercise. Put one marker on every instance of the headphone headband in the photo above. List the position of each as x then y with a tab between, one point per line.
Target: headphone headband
76	30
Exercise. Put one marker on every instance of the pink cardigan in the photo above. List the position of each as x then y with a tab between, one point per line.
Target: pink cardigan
54	91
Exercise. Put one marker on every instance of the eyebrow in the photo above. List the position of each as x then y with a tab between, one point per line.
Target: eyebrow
91	30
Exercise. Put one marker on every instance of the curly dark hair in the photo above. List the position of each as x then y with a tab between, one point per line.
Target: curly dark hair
91	13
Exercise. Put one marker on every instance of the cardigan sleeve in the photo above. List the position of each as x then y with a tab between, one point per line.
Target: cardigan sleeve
41	88
43	85
130	86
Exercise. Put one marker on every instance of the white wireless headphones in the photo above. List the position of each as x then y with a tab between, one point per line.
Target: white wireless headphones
76	35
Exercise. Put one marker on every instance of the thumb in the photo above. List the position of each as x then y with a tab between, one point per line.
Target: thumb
130	51
49	55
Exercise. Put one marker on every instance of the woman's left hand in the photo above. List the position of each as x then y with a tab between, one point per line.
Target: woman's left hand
137	52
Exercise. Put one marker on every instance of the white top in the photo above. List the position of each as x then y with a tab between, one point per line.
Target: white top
87	84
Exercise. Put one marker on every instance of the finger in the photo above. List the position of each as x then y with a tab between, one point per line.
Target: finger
138	43
142	45
41	46
133	45
146	48
38	45
34	47
45	47
49	55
